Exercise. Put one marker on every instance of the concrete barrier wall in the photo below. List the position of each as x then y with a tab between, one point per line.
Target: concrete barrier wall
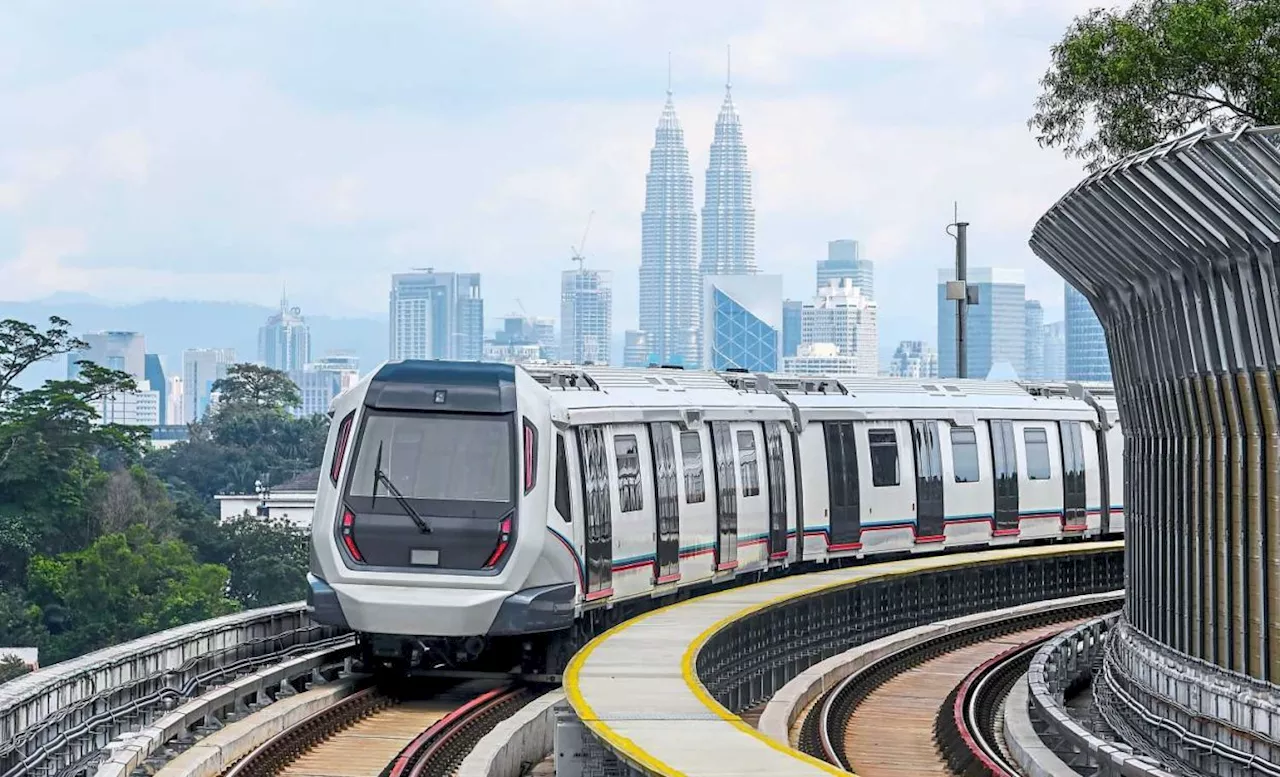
523	739
68	711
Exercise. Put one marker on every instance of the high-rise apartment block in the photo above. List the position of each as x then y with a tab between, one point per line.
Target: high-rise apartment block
743	319
1087	355
914	359
996	325
1033	368
669	286
843	263
436	315
284	343
201	368
586	316
841	316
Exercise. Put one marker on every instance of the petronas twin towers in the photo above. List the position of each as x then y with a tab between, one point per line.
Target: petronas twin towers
670	273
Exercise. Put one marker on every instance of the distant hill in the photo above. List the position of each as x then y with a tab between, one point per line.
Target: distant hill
173	326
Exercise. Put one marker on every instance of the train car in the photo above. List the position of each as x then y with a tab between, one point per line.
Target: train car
490	515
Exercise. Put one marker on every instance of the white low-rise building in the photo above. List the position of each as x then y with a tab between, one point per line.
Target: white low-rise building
822	359
293	500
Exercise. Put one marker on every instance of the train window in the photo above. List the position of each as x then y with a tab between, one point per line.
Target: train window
1037	441
748	464
562	480
964	454
630	498
884	457
695	489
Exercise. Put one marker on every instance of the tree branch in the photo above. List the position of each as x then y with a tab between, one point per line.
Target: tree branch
1217	102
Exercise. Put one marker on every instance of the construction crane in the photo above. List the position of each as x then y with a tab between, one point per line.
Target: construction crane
579	252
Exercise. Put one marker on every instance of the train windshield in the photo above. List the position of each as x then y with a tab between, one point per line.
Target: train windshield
451	458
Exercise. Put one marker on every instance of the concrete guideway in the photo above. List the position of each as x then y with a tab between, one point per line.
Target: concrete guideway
642	692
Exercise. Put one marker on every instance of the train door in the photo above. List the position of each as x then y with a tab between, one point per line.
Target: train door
726	496
1004	460
1073	475
842	483
667	520
776	474
598	510
930	511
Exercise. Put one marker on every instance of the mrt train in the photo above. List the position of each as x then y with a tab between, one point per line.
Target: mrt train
477	514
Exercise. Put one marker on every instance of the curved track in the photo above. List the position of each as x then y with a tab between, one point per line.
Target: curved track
883	719
375	734
969	731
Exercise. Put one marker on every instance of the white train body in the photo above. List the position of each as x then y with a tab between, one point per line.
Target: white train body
545	493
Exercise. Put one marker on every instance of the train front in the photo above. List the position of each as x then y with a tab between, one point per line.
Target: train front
430	517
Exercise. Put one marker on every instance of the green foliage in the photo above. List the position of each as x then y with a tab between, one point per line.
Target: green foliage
267	558
122	587
12	667
1158	70
256	386
100	543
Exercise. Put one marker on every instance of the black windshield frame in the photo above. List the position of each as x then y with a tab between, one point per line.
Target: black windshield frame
385	503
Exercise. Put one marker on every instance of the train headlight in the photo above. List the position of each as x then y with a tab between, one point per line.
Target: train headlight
504	540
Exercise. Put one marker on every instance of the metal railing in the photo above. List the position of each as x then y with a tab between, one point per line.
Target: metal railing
1058	668
58	720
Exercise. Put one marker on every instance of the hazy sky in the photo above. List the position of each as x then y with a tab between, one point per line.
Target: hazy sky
213	150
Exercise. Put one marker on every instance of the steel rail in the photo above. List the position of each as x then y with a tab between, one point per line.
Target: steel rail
438	751
824	737
965	727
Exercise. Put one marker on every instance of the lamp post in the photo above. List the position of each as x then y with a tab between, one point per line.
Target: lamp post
264	493
960	292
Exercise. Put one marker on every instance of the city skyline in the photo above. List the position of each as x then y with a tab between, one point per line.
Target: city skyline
356	210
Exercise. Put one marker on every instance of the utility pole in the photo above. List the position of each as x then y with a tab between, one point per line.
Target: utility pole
961	293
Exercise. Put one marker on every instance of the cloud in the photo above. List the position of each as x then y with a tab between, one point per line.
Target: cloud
218	160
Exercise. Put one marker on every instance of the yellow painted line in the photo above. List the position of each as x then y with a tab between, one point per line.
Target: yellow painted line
882	571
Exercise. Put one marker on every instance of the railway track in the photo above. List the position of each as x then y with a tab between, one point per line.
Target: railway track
374	733
883	719
969	727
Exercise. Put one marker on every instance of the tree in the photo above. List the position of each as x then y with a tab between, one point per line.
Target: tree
256	386
12	667
1158	70
267	558
120	588
22	345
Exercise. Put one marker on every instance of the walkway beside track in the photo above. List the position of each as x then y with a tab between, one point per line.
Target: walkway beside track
635	687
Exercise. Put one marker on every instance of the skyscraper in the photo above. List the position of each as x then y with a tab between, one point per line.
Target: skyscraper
728	215
123	351
1034	346
586	316
842	317
201	367
284	343
743	319
792	316
1086	343
842	263
158	383
914	359
635	350
1055	351
436	315
997	324
669	287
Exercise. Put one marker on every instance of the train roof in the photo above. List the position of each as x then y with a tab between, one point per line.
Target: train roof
597	387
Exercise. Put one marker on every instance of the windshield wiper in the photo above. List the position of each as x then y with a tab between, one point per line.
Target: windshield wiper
379	476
